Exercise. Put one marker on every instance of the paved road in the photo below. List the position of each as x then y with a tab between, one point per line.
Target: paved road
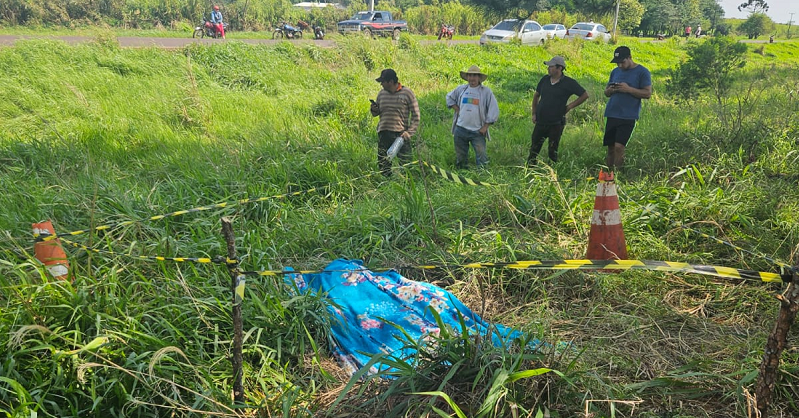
134	42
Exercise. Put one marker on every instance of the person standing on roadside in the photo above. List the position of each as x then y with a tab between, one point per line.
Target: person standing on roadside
629	83
216	20
399	116
698	30
475	110
687	31
550	108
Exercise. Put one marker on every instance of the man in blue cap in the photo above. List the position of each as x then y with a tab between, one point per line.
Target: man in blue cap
629	83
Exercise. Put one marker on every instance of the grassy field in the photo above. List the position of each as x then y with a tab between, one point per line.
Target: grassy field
96	135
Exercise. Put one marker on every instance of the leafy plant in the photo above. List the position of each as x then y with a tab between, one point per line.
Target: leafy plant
710	66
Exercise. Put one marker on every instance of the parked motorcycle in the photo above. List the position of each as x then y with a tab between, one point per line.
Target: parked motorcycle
207	29
284	30
318	32
446	32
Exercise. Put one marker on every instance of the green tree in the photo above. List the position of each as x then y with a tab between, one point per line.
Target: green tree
712	13
710	66
518	8
754	6
723	29
660	17
755	25
630	14
690	12
596	7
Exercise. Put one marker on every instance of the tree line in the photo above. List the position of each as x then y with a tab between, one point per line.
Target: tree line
639	17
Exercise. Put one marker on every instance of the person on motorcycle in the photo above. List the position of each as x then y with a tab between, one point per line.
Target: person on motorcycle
318	32
216	20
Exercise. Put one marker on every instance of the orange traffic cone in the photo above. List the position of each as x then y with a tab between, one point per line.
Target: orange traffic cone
606	239
50	252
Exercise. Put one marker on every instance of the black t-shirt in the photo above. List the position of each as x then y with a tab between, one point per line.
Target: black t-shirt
551	109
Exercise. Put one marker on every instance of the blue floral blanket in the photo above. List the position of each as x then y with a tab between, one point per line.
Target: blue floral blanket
368	308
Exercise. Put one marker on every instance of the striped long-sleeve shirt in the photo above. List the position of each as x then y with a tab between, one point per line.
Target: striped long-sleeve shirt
399	111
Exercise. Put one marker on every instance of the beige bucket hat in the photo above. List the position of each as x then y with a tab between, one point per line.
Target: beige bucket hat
473	70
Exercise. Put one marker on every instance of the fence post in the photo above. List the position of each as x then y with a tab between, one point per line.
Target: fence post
767	378
233	267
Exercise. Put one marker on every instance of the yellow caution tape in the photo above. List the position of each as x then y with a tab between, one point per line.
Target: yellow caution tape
670	266
456	178
44	237
239	291
151	257
443	173
784	267
578	264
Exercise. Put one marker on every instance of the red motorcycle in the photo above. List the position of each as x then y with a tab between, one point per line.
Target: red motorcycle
208	29
446	32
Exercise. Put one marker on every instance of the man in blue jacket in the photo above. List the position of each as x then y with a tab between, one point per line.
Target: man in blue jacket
216	20
475	110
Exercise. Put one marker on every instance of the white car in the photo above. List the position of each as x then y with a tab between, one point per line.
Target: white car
589	31
528	31
555	31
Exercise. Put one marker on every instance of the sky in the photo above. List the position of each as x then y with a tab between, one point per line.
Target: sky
778	10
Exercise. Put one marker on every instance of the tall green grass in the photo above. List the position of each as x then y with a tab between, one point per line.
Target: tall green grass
95	135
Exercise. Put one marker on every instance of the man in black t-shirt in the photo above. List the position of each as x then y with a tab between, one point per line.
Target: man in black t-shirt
550	108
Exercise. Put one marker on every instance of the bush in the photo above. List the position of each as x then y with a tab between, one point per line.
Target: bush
723	29
709	67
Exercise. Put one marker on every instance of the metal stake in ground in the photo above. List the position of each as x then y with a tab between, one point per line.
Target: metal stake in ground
767	379
233	267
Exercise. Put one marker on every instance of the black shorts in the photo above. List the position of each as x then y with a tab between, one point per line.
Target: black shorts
618	131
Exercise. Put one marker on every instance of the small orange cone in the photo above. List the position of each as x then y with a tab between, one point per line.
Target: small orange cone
606	239
50	252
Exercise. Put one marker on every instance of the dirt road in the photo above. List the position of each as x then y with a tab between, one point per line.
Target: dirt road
140	42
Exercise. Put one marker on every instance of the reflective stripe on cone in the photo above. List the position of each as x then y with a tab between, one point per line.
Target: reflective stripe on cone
50	252
606	238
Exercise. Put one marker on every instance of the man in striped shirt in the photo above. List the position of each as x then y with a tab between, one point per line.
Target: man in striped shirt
399	116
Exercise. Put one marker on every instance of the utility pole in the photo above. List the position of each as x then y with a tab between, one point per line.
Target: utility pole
790	20
616	19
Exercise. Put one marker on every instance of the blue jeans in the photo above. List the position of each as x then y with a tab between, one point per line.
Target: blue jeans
463	137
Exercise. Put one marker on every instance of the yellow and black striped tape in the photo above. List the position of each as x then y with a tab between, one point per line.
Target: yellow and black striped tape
241	281
670	266
42	237
456	178
738	248
202	260
784	267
